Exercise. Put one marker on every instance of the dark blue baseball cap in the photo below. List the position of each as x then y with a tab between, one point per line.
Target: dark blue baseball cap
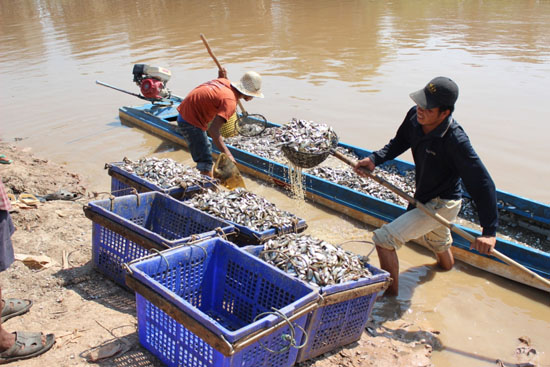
439	92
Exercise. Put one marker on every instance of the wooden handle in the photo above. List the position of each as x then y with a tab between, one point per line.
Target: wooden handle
210	51
219	67
470	238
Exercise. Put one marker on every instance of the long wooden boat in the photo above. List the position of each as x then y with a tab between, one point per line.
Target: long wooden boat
160	119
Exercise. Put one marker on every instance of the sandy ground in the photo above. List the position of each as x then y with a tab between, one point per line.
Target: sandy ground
87	312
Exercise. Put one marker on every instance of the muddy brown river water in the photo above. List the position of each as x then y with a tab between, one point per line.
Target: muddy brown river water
350	64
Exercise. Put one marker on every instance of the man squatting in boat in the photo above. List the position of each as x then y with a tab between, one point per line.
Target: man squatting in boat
443	156
207	108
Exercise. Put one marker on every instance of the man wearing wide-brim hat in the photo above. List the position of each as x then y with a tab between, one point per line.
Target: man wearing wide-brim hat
207	107
444	158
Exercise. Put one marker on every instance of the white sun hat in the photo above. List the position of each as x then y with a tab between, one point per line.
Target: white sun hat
250	84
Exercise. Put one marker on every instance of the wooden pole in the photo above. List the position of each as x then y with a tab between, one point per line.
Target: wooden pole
219	67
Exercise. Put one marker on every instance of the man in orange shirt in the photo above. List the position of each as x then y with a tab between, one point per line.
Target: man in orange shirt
207	108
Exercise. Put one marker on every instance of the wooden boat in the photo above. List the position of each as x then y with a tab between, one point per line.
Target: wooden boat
160	119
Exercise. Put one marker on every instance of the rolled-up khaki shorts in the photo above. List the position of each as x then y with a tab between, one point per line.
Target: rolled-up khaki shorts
416	224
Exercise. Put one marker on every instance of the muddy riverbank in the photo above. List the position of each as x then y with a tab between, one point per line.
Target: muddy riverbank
87	311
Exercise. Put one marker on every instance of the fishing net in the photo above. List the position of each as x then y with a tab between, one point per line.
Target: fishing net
251	125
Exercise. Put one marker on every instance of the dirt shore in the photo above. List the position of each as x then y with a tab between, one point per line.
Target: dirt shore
86	311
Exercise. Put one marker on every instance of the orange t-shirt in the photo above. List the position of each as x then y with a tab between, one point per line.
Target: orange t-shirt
207	101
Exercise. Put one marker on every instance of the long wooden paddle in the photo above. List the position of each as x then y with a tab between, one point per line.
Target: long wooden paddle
470	238
219	67
247	124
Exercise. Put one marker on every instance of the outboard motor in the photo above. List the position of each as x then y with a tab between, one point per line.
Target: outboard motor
152	81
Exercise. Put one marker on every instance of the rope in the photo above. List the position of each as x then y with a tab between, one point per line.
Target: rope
194	243
290	338
221	233
159	253
364	258
295	222
135	192
111	197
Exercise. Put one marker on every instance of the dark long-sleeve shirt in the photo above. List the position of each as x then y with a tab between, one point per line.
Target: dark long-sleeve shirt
442	158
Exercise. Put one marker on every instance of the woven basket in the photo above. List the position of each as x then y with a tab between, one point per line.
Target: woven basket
308	160
229	128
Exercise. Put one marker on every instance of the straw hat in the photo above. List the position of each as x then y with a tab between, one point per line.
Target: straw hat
250	84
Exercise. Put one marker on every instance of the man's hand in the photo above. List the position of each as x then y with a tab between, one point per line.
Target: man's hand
364	163
217	139
484	244
230	156
222	73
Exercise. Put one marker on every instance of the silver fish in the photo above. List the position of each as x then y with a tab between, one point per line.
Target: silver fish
313	260
164	172
243	207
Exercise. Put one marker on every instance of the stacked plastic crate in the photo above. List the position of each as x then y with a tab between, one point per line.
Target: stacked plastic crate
129	227
213	304
342	313
124	183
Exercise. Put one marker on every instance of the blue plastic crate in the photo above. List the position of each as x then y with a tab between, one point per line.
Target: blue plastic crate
336	323
123	181
119	188
217	290
248	236
126	227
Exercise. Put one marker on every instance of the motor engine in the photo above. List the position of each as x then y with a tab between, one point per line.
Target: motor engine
152	81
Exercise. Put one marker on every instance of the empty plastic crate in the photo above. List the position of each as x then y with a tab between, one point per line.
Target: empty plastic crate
196	306
127	227
123	181
119	188
342	314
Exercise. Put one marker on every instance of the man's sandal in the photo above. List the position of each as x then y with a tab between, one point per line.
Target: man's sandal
27	345
29	199
4	159
15	307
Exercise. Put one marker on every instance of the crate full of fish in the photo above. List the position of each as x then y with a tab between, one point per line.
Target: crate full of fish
212	304
156	174
348	288
255	218
128	227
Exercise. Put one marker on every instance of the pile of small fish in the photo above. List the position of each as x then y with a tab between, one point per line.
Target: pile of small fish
307	136
264	145
313	260
511	227
302	135
243	207
250	126
164	172
346	177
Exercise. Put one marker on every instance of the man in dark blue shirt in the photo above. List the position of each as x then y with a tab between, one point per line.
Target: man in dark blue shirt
443	157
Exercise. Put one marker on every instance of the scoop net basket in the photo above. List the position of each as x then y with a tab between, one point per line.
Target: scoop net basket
250	125
308	159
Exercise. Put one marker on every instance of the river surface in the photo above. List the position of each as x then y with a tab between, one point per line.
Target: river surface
350	64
